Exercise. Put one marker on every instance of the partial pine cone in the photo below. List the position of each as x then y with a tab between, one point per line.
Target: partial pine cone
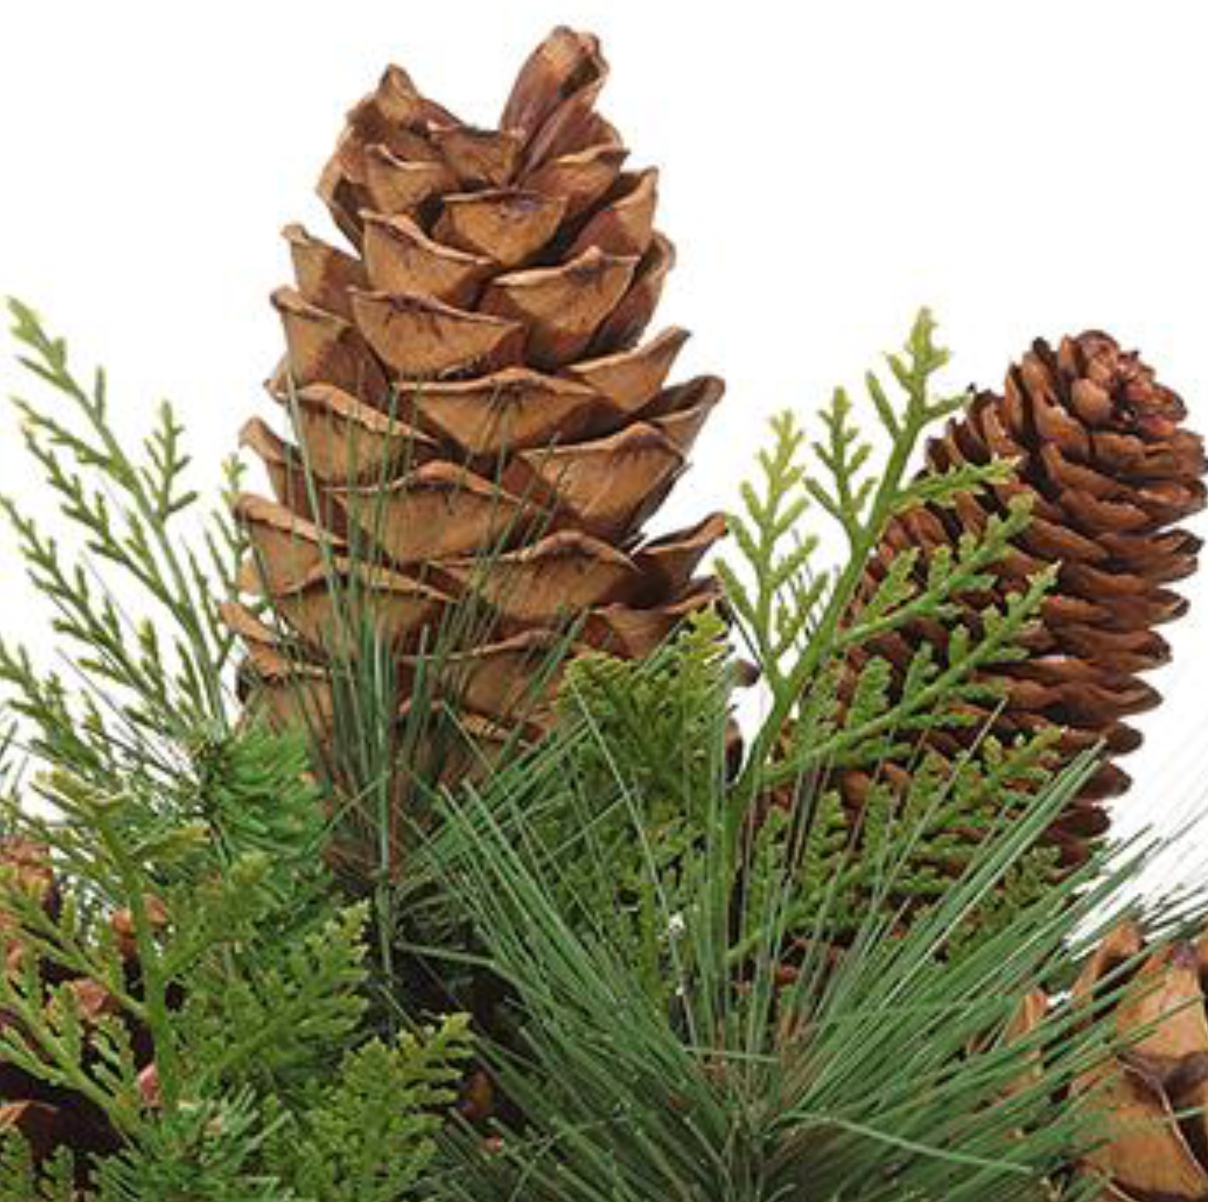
1102	452
1149	1148
473	410
52	1117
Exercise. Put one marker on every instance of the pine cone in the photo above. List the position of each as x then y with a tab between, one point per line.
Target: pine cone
469	393
53	1116
1148	1154
1101	452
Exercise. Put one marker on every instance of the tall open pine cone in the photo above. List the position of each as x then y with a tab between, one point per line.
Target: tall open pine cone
473	408
1101	452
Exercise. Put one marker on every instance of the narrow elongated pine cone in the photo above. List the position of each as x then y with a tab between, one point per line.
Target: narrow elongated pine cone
472	408
1101	451
52	1117
1150	1149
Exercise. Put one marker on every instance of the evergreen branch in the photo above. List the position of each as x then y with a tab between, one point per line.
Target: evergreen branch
927	695
856	1076
863	514
828	618
126	509
249	988
368	1136
49	1044
771	627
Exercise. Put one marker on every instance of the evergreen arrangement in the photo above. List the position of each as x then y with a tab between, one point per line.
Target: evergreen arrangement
396	838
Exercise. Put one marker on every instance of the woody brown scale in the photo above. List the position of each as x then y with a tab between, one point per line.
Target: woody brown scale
53	1117
1100	450
1145	1103
472	408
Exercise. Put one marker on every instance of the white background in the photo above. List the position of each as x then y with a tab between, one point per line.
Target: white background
1025	168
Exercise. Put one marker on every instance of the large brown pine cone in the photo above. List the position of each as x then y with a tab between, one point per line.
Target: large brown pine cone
49	1116
1101	452
470	395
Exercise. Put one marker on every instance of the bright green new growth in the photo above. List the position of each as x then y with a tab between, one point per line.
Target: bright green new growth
251	986
800	625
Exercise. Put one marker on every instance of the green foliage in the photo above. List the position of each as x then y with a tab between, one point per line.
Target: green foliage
140	682
740	988
711	984
834	707
250	988
839	709
20	1177
651	738
365	1132
660	728
368	1134
866	1073
801	625
663	713
887	715
243	976
207	1150
900	855
681	1021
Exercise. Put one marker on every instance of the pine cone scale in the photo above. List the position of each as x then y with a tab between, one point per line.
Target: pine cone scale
1152	1145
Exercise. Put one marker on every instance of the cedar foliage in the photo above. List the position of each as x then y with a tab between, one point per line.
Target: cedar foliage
249	989
252	988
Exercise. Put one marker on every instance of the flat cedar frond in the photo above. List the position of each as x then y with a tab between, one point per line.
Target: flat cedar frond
158	673
187	978
378	1098
902	853
54	1181
658	718
796	622
775	616
930	696
10	770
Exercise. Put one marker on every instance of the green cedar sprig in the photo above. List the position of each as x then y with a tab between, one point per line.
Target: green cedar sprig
799	623
161	672
250	986
660	727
